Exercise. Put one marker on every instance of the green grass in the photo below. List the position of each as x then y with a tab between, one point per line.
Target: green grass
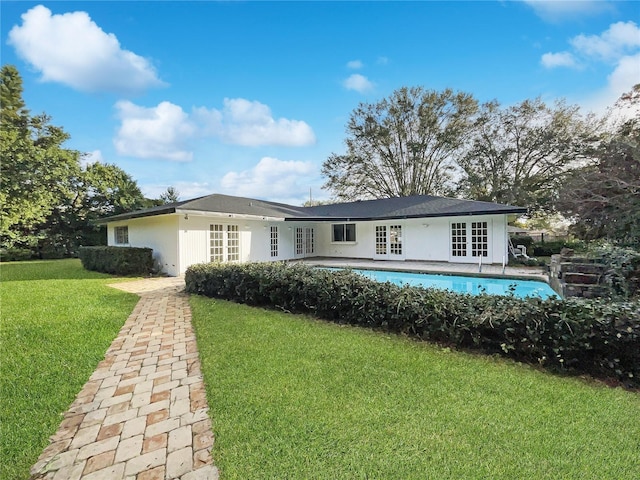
296	398
57	322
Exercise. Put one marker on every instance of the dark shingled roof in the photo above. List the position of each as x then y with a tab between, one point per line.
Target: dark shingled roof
418	206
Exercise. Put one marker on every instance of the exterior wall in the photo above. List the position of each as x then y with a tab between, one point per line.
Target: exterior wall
158	233
425	239
179	241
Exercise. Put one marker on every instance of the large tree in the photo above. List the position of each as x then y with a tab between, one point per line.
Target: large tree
48	202
520	154
603	197
402	145
35	166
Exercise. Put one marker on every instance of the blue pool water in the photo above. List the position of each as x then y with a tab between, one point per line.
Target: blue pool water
461	284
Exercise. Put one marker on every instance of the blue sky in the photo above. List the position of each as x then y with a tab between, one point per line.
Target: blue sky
249	98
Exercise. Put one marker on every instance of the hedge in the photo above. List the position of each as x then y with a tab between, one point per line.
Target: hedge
117	260
575	336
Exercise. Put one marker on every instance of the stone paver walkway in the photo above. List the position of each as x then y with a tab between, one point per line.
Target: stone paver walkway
143	413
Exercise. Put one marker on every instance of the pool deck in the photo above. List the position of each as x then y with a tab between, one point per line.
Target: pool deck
466	269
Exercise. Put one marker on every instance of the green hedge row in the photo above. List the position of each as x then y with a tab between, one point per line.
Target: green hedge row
117	260
576	336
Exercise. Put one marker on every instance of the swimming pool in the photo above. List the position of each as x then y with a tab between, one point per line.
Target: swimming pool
461	284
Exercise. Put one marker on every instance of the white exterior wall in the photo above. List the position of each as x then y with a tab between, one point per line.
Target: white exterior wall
158	233
179	240
426	239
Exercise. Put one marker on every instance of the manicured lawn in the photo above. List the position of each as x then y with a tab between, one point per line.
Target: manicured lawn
57	322
295	398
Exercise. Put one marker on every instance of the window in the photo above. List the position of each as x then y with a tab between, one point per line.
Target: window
479	243
274	241
121	235
459	239
344	232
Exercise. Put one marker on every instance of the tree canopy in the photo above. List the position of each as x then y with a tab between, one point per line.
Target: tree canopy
402	145
603	196
48	201
519	155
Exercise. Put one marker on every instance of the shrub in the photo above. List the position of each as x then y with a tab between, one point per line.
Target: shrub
576	336
622	272
117	260
546	249
525	240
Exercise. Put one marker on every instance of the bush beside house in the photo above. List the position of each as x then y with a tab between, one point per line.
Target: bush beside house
117	260
574	336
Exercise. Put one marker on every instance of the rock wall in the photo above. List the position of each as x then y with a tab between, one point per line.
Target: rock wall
572	276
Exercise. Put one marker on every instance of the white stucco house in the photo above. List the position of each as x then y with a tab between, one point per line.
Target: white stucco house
223	228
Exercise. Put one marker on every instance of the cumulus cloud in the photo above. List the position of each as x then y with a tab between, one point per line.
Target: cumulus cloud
558	10
166	130
73	50
618	46
157	132
562	59
358	82
251	123
279	180
619	39
355	64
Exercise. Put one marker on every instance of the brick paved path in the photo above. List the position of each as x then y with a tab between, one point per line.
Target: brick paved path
143	413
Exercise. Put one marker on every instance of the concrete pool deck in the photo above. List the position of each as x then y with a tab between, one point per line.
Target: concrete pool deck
446	268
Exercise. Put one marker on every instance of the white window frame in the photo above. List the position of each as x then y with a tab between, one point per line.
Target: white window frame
274	241
345	227
121	235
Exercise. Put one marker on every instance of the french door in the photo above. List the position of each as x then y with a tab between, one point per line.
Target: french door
470	242
388	242
224	243
305	242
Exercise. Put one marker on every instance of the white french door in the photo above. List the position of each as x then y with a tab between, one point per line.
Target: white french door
388	242
470	242
305	241
224	243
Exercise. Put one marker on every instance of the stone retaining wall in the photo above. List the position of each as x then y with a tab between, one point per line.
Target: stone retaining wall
573	276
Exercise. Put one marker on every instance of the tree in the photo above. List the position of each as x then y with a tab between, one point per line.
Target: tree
520	154
35	166
48	202
171	195
603	197
403	145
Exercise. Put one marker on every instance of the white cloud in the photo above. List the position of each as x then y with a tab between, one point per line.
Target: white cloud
562	59
626	73
243	122
358	82
557	10
73	50
273	179
382	61
618	46
157	132
619	39
165	131
355	64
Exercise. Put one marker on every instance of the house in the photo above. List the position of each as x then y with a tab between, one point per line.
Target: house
223	228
